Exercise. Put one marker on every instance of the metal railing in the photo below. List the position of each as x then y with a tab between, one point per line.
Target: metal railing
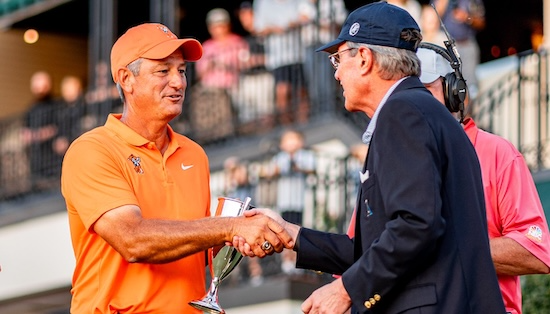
214	112
327	197
516	107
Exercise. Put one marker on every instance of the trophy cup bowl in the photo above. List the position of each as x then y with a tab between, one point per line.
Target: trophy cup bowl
222	259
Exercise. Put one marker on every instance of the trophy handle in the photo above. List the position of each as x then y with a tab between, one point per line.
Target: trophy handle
246	205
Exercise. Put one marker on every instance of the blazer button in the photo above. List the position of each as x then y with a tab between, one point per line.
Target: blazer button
368	304
372	301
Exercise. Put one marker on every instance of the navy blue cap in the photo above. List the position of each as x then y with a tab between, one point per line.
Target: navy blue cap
377	23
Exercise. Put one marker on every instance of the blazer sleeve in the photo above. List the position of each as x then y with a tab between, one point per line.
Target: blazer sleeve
325	252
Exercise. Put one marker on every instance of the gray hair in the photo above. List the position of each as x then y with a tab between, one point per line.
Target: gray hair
394	63
134	67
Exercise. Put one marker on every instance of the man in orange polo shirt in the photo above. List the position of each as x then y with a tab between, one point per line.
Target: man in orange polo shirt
138	194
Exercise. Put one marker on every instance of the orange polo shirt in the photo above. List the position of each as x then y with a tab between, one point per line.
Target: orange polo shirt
112	166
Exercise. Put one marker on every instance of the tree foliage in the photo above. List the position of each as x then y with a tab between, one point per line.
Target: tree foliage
536	294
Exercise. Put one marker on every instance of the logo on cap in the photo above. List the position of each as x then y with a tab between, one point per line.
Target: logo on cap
166	31
354	29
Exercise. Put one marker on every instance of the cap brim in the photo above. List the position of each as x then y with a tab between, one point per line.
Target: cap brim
427	77
331	46
191	49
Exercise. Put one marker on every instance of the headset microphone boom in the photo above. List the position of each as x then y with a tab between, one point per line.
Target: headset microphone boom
454	85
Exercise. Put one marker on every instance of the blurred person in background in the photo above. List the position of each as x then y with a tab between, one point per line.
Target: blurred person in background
212	113
326	20
463	20
101	98
431	27
280	22
224	54
70	111
40	130
291	167
412	6
256	96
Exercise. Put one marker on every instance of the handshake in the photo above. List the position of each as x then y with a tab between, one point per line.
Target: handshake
258	232
266	232
278	234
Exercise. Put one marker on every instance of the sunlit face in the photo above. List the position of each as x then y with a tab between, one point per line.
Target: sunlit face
291	142
219	30
430	20
346	73
159	89
41	84
71	89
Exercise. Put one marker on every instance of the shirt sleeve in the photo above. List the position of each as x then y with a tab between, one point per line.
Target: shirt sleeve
522	215
93	181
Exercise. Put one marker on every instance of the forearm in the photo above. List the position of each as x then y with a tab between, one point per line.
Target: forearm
512	259
163	241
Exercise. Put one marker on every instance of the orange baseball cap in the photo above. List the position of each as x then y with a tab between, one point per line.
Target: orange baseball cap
152	41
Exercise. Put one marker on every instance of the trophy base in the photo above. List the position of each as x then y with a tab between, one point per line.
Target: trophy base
207	307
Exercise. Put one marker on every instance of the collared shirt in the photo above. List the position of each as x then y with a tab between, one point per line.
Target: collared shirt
513	206
112	166
367	136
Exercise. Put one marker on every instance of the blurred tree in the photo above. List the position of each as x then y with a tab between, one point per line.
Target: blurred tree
536	294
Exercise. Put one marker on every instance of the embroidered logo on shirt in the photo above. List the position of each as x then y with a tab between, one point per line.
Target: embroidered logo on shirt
535	233
136	161
184	167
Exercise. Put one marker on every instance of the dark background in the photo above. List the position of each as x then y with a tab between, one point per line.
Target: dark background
509	22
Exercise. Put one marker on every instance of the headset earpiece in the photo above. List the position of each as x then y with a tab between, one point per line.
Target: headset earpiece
454	85
455	91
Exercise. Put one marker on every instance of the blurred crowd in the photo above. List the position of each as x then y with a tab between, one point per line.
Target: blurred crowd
32	150
306	185
244	83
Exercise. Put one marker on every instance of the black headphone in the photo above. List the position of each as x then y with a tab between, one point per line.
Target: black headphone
454	84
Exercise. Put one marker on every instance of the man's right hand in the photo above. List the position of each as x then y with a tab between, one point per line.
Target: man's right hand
285	231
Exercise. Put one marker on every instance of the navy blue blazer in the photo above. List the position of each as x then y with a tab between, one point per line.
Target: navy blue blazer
421	243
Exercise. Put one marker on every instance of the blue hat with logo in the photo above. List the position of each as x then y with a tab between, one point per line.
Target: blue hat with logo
377	23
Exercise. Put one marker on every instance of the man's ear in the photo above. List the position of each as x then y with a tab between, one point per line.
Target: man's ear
367	59
125	78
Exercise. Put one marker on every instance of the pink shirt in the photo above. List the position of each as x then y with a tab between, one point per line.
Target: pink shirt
512	203
222	61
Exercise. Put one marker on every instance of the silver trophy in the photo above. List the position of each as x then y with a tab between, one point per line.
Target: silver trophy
222	259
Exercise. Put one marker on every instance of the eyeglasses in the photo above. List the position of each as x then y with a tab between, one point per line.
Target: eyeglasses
335	58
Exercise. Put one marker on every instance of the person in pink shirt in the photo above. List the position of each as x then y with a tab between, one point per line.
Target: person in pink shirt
517	226
224	54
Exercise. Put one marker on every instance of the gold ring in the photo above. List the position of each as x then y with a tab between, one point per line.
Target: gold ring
266	246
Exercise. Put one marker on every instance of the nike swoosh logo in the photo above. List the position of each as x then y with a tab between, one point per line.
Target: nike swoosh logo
183	167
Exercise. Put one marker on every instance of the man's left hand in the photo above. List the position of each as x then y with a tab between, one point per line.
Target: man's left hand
331	298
